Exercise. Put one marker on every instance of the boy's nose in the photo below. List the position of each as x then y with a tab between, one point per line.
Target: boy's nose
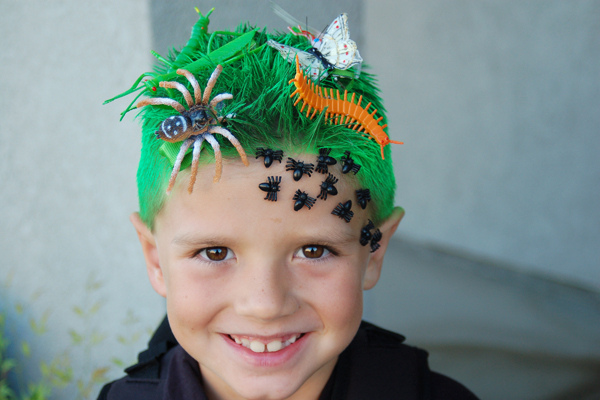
265	292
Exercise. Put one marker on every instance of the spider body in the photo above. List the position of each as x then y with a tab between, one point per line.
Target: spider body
348	164
180	127
270	155
303	199
299	167
327	187
194	125
344	211
363	196
324	161
365	233
271	187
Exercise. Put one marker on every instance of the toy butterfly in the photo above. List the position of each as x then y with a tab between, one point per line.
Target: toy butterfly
331	49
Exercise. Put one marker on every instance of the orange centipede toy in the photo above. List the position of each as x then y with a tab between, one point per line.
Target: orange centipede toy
339	110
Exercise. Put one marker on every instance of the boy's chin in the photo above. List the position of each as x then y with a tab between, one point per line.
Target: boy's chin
299	378
280	387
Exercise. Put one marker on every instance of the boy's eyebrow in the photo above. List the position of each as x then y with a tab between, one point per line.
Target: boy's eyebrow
188	240
340	236
335	236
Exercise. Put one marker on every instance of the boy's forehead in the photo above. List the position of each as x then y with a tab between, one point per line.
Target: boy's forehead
258	196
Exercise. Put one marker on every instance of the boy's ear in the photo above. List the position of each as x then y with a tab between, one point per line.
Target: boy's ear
387	229
148	243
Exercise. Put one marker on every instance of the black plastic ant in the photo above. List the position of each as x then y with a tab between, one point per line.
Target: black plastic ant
327	187
271	187
303	199
324	160
363	196
299	168
348	164
343	211
270	155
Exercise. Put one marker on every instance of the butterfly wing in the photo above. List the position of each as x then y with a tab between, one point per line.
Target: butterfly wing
309	62
335	45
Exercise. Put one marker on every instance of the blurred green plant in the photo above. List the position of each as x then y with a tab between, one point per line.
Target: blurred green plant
57	375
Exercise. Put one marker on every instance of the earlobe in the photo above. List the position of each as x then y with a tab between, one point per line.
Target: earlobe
146	238
387	229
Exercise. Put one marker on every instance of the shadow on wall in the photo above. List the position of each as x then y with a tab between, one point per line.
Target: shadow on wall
502	333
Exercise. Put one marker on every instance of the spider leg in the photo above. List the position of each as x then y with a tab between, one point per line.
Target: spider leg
176	85
233	140
219	98
162	101
177	165
195	157
218	157
211	83
192	79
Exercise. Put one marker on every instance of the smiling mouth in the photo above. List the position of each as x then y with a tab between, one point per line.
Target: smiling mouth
261	346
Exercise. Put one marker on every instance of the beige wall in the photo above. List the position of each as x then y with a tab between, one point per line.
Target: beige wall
497	104
67	167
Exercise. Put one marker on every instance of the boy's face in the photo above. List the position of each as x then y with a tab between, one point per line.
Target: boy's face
265	298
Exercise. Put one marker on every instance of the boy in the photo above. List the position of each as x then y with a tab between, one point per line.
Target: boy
263	246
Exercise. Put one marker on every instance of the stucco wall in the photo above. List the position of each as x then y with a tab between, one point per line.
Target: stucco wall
497	102
70	259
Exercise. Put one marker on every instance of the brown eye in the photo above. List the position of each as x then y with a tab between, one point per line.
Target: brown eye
215	253
313	251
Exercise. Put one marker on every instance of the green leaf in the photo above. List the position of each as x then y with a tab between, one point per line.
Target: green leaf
97	338
77	310
96	307
38	328
7	365
118	362
76	338
25	349
99	374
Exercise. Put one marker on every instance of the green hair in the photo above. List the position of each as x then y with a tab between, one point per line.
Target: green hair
265	115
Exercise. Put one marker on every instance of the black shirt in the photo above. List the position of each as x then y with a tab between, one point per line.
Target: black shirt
377	365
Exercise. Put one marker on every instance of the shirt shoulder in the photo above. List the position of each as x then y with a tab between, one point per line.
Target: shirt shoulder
445	388
378	364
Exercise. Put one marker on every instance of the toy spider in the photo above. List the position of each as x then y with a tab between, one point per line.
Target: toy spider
343	211
303	199
365	233
195	125
269	155
324	161
375	241
348	164
363	196
271	187
328	188
299	167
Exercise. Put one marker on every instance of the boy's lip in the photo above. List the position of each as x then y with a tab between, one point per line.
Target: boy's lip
262	344
261	356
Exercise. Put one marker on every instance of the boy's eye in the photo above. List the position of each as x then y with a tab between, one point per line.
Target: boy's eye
216	253
312	251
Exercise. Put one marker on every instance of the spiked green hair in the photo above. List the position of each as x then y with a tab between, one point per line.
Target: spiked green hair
265	115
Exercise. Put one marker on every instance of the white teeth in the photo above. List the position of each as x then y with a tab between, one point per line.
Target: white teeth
260	347
257	347
275	345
